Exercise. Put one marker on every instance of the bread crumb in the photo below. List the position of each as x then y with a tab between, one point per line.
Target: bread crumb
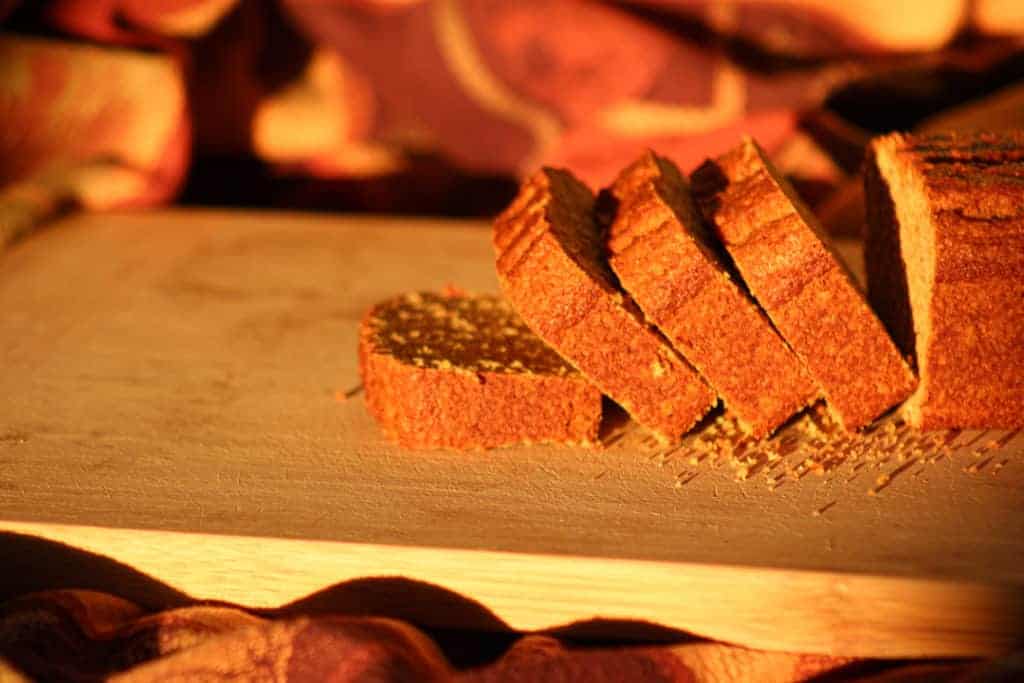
452	290
811	443
976	467
343	396
823	509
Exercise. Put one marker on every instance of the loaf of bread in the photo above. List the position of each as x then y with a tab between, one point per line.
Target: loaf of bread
550	262
788	265
660	249
945	262
464	372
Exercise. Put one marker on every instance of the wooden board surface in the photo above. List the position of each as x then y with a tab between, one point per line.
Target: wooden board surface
173	396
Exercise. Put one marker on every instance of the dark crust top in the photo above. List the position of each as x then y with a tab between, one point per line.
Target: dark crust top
665	259
974	186
462	401
551	267
471	333
802	285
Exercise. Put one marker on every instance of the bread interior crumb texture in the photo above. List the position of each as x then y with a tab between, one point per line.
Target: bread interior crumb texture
917	243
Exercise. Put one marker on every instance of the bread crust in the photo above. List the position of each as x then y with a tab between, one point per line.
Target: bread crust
550	264
659	248
972	186
445	401
802	285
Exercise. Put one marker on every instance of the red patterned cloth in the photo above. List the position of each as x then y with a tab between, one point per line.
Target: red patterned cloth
438	105
83	636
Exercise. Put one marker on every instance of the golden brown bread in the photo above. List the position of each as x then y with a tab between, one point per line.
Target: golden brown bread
945	260
551	268
802	285
450	371
659	248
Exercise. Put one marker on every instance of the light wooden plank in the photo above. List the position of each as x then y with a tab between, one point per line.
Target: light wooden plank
178	372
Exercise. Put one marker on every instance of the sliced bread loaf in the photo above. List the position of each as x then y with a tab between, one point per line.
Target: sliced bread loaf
800	282
549	256
660	249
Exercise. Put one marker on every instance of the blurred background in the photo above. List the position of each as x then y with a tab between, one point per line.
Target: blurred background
439	106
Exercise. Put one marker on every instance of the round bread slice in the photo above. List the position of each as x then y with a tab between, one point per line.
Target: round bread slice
549	256
462	372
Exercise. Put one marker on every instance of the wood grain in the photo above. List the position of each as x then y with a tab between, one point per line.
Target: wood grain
171	396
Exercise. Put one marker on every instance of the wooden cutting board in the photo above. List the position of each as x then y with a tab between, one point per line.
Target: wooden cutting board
179	392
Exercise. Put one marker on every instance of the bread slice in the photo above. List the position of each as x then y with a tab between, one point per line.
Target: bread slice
660	250
945	261
789	266
549	255
465	372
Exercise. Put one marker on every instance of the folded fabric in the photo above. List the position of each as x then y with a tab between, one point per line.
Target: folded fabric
84	635
407	106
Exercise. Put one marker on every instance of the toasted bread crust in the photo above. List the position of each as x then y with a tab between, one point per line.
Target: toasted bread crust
970	305
550	265
802	285
445	400
659	250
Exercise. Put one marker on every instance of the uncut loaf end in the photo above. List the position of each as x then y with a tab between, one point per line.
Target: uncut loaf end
945	261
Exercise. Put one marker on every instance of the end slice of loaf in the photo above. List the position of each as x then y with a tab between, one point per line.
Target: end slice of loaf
945	261
660	249
790	268
549	256
465	372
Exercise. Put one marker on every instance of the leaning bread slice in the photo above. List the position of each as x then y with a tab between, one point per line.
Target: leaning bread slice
786	260
659	248
465	372
945	261
551	267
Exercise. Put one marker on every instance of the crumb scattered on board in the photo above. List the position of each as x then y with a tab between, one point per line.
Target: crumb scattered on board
343	395
884	454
